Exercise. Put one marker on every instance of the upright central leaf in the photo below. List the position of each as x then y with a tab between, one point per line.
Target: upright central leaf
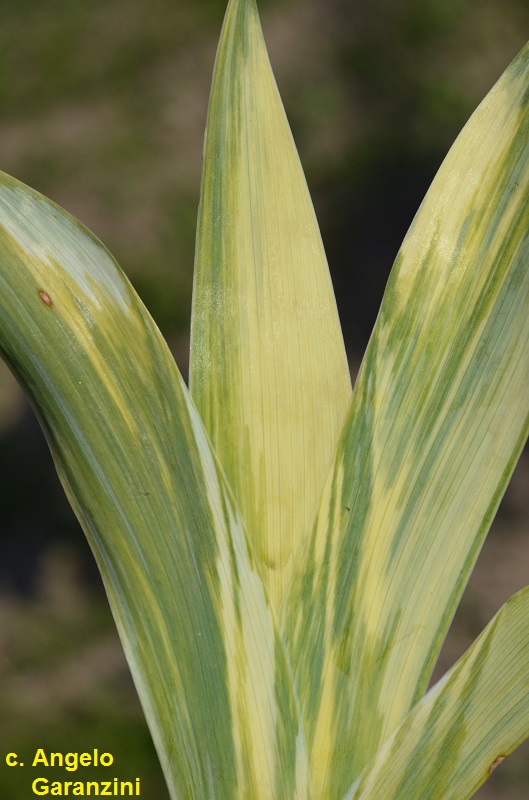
268	367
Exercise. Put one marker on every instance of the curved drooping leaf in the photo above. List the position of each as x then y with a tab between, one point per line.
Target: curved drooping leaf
269	374
439	416
455	737
140	473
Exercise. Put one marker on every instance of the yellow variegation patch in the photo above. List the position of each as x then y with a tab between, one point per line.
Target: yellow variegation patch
270	486
460	732
440	413
136	463
268	368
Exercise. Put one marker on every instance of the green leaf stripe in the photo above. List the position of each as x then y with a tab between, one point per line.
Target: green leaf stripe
453	739
440	413
136	463
270	488
268	368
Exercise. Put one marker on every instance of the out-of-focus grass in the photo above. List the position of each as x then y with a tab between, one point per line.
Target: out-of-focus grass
66	686
103	108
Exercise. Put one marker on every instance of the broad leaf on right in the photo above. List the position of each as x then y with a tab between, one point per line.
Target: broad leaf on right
439	416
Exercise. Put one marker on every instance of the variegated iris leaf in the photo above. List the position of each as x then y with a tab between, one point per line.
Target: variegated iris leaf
139	470
268	368
463	729
439	415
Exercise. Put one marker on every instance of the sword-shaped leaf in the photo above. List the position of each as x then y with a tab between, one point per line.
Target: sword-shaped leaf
140	473
457	735
439	416
269	374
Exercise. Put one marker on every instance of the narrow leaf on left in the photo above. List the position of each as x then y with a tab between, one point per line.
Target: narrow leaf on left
138	468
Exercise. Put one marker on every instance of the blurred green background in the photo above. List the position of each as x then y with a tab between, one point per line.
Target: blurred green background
102	108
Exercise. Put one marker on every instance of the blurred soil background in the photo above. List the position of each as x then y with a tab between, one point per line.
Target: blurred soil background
102	108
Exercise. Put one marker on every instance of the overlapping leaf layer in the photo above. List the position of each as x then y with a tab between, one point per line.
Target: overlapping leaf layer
283	558
136	463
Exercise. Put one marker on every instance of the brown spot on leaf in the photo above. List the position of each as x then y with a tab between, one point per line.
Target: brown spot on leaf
496	763
46	299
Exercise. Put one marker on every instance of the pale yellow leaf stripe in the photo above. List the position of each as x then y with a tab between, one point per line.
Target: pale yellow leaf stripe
453	739
439	416
268	368
188	599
